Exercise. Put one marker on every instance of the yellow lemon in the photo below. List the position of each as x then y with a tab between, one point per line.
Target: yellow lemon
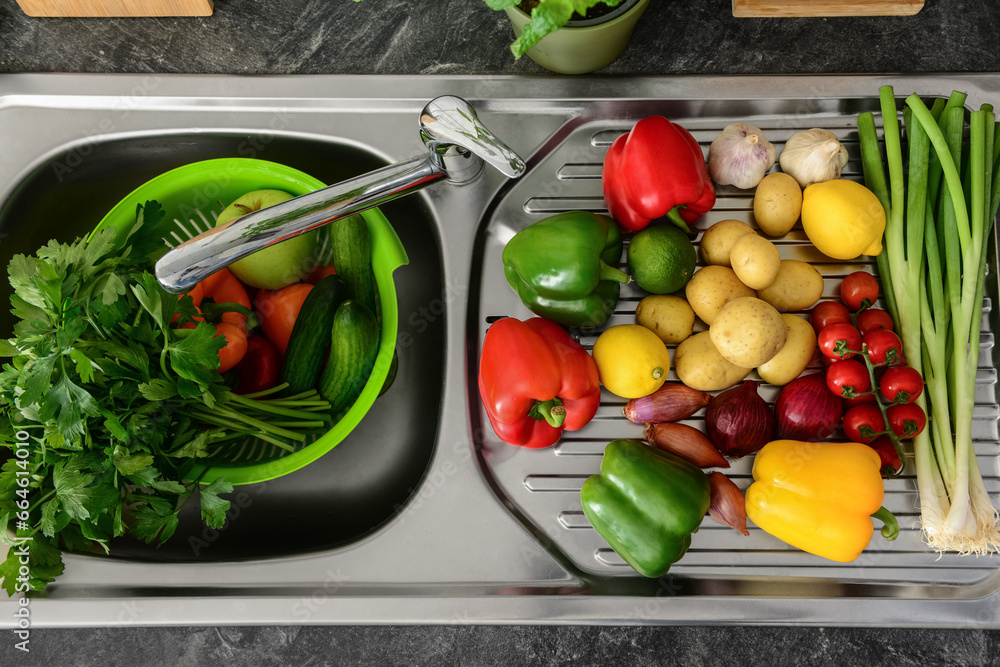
632	360
843	219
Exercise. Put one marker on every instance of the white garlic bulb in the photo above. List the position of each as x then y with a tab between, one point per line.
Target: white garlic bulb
813	156
740	156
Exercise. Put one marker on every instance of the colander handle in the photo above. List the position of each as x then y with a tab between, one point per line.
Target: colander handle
458	144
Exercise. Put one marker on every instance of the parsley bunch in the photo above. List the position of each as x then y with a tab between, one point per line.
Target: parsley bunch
106	404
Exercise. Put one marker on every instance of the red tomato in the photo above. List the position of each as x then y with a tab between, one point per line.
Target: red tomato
863	423
906	419
829	338
826	313
901	384
848	377
872	319
278	311
883	346
859	290
891	464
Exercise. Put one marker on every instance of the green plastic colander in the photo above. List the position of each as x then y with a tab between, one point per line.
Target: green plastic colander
192	196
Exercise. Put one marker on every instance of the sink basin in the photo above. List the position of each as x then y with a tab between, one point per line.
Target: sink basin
422	515
363	481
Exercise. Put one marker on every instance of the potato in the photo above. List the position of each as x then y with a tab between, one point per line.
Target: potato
748	332
669	317
700	366
718	240
711	288
755	261
797	286
793	358
777	204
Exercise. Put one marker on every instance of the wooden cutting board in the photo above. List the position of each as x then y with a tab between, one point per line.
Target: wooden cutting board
117	7
758	8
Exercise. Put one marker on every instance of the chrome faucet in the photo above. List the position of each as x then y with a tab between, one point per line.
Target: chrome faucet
457	142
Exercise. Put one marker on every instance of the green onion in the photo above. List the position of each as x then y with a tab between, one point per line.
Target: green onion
939	214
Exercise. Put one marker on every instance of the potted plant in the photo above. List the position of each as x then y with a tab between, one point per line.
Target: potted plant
554	36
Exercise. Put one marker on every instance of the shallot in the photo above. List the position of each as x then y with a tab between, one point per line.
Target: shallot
671	402
728	506
686	442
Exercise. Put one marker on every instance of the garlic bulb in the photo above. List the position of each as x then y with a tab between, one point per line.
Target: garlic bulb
740	156
813	156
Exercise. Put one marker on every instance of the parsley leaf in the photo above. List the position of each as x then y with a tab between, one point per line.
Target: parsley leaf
71	484
213	508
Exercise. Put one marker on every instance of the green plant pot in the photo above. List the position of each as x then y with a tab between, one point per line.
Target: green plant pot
578	50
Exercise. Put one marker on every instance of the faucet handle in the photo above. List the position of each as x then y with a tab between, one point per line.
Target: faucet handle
452	131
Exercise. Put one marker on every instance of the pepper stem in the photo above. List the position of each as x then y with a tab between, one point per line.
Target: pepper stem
891	528
675	217
552	411
609	272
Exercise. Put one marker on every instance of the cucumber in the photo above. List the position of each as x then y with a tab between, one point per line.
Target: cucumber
310	337
352	255
353	348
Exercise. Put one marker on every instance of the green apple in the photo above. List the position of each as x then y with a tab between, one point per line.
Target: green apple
278	265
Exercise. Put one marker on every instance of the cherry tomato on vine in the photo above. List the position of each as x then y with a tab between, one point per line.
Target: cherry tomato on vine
901	383
906	420
890	463
829	338
859	290
884	345
826	313
864	423
848	376
872	319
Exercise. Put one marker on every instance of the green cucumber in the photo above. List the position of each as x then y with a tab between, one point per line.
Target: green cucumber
353	348
310	337
352	255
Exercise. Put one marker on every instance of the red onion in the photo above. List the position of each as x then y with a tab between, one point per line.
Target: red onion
728	506
739	421
807	409
686	442
671	402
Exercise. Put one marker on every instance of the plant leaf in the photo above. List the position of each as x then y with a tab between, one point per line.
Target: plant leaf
71	487
213	508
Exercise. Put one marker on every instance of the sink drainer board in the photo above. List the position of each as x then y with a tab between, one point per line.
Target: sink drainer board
542	487
422	515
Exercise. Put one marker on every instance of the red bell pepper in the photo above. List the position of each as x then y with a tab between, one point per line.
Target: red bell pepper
656	170
260	368
536	381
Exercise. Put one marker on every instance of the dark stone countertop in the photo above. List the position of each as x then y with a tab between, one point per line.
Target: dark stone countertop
464	37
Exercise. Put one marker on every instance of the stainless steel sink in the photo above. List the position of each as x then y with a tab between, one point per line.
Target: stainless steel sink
422	515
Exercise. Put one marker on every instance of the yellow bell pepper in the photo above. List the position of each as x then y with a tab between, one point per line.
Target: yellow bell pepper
819	497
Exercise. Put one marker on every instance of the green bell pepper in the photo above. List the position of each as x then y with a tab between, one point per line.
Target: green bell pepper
646	503
562	268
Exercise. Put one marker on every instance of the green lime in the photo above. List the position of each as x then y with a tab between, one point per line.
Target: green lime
661	259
